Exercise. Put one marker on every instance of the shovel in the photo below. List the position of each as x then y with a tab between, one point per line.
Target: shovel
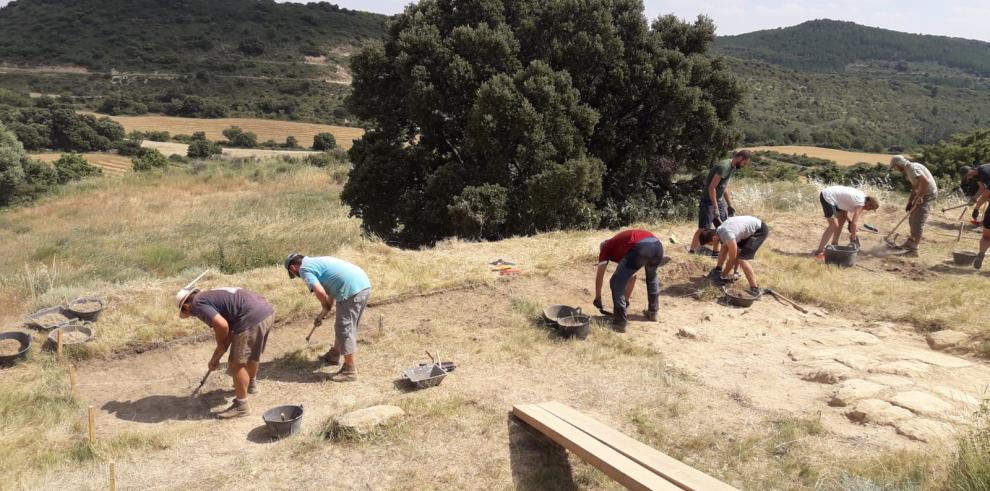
202	382
782	299
887	240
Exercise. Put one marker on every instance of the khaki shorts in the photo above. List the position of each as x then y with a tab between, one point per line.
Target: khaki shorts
348	318
919	215
249	345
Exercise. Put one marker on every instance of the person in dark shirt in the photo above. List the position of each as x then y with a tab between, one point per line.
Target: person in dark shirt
632	250
715	205
241	320
982	174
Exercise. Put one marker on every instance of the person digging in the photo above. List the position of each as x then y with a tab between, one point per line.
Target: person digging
841	204
335	280
924	192
715	204
632	250
982	196
741	237
241	320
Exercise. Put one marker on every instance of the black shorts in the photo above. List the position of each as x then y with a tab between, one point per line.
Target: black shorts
827	207
748	247
707	213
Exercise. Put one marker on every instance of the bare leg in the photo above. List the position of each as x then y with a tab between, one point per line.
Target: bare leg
241	380
985	241
748	271
838	230
829	232
252	369
696	240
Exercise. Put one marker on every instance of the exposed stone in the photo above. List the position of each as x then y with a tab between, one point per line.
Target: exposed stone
922	403
936	359
890	380
946	339
688	333
824	371
856	337
925	430
907	368
852	390
877	412
365	420
857	362
958	396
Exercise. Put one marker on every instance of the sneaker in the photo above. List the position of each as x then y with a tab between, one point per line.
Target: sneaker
978	263
909	252
331	357
715	273
237	409
253	387
756	291
347	373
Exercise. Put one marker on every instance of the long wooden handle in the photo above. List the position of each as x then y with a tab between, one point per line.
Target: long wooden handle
311	331
898	225
788	301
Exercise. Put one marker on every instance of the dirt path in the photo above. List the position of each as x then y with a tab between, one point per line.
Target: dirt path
706	373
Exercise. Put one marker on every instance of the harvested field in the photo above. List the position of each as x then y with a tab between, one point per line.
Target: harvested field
170	148
266	129
840	157
110	163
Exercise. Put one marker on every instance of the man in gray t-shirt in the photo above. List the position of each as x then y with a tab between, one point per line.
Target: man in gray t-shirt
241	320
924	192
742	236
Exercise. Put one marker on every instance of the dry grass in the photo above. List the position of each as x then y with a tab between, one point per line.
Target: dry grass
840	157
110	163
170	148
266	129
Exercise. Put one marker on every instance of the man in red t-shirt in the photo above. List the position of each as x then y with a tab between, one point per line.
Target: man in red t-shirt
632	250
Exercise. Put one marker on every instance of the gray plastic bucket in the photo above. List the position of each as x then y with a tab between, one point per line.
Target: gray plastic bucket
283	421
844	256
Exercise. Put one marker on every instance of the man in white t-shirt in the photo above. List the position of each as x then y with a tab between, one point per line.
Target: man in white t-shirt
924	192
741	237
841	204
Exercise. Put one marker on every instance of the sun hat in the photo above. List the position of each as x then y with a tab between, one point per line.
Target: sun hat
182	296
288	262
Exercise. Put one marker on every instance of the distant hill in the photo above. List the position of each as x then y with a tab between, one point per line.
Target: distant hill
231	35
829	46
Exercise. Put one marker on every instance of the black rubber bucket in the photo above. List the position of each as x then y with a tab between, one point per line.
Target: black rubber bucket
963	258
283	421
577	325
553	313
844	256
21	337
740	299
80	308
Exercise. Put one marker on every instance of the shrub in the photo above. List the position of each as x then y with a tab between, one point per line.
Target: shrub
72	166
291	142
203	149
324	141
149	159
129	147
21	178
238	138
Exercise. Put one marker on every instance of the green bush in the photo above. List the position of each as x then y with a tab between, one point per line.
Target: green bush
21	178
324	141
238	138
291	142
203	149
149	159
72	166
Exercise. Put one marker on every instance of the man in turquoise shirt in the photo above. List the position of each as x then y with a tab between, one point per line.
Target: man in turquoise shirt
332	279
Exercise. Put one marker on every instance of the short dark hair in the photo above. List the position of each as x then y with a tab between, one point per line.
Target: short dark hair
296	260
707	236
744	154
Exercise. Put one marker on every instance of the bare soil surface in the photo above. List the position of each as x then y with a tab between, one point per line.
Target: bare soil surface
840	157
706	375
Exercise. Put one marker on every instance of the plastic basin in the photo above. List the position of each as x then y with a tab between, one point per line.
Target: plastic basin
553	313
86	315
80	328
844	256
35	320
576	325
740	299
283	421
21	337
963	258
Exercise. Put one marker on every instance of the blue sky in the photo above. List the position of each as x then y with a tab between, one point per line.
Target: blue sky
959	18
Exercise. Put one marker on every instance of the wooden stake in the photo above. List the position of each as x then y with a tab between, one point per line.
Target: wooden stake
381	324
92	424
58	343
72	381
113	476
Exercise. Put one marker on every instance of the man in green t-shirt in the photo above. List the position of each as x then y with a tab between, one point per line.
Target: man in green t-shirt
716	201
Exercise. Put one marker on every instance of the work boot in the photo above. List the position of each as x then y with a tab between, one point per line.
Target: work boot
619	327
331	357
651	315
978	263
236	410
347	373
253	387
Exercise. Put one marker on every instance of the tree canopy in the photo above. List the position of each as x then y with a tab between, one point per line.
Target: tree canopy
491	118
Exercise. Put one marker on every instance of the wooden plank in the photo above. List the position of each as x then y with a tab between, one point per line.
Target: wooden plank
617	466
673	470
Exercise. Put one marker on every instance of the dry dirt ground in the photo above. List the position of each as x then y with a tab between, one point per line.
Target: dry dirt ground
706	383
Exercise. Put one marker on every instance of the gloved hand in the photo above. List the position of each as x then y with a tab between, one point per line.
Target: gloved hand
976	214
597	303
318	321
717	221
908	206
732	211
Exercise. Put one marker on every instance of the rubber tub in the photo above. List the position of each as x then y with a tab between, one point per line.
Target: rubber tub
35	320
553	313
283	421
963	258
75	327
577	325
844	256
740	299
86	315
425	376
21	337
